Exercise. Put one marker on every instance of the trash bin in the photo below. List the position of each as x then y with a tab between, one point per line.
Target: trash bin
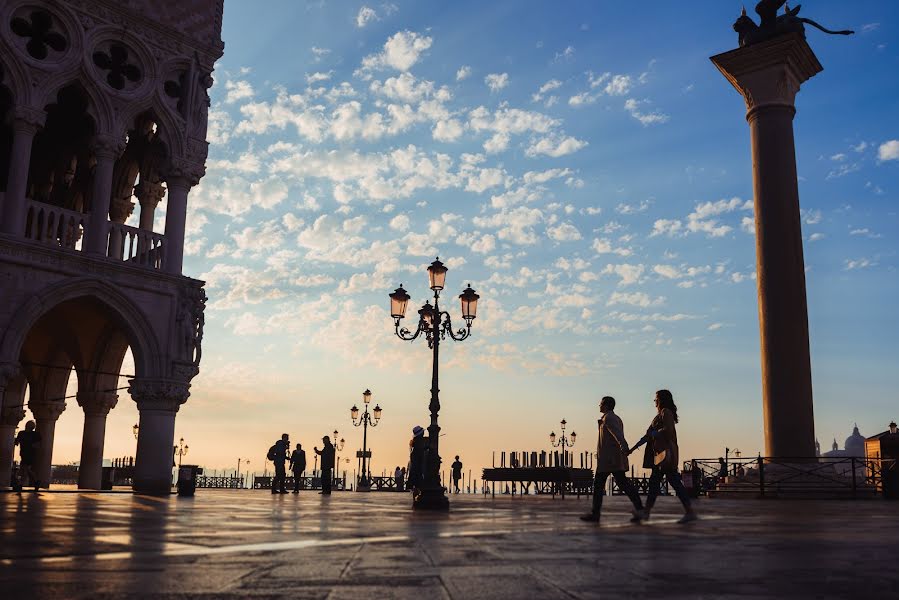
891	481
187	479
107	477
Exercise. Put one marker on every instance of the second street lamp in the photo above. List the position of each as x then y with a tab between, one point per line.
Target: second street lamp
564	441
436	326
364	483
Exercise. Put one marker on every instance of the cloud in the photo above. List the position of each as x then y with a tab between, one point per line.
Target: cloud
400	223
861	263
463	73
496	81
628	274
401	51
564	232
702	219
619	85
888	151
646	118
555	146
237	90
365	16
550	85
604	246
634	299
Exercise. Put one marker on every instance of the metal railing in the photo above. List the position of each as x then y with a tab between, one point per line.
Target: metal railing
306	483
55	226
762	476
220	482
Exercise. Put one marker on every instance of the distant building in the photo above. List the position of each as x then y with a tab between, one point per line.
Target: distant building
853	447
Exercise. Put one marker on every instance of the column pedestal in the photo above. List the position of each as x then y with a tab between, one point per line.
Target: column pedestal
768	75
158	402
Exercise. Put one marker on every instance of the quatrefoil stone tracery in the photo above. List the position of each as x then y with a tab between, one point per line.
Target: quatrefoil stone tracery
117	62
40	29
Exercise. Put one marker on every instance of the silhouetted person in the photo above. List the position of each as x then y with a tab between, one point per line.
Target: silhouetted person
722	469
327	453
403	479
611	459
398	478
298	466
417	450
278	455
661	455
28	441
457	473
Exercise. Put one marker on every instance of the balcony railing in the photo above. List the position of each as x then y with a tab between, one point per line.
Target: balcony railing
138	246
54	226
63	228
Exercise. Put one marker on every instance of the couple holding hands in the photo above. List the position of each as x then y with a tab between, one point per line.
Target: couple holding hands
661	456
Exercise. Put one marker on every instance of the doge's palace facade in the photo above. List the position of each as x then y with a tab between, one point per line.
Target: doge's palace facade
103	109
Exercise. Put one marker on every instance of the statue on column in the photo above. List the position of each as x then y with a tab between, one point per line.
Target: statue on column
190	320
772	25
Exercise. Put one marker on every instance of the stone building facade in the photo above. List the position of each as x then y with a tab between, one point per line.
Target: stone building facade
103	106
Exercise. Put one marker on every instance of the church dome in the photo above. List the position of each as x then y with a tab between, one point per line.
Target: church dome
855	444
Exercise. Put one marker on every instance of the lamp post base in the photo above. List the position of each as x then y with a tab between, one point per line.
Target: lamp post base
363	486
431	499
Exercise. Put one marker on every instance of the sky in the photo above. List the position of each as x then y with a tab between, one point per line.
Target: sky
583	165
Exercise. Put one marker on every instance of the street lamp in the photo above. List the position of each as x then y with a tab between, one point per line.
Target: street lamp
436	325
181	450
135	430
564	441
364	484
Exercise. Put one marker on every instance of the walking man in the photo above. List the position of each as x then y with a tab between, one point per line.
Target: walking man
611	453
278	455
298	466
327	453
457	473
28	442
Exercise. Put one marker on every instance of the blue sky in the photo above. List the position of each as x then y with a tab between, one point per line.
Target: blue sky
584	166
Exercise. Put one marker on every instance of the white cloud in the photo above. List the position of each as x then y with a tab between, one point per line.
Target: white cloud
634	299
646	118
861	263
463	73
496	81
888	151
619	85
564	232
401	51
237	90
318	77
400	223
604	246
629	274
448	130
555	146
550	85
670	227
514	225
365	16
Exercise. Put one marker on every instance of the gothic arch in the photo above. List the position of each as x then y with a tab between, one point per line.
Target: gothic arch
141	336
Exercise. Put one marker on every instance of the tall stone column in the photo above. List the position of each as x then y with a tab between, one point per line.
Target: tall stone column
12	411
158	402
175	221
119	211
45	415
25	124
106	150
149	194
96	407
768	76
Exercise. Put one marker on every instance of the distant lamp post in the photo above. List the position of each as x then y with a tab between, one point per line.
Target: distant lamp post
181	450
564	441
436	326
338	447
135	430
364	483
893	427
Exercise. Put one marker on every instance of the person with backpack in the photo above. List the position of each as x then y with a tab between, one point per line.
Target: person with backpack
298	466
28	441
327	453
278	455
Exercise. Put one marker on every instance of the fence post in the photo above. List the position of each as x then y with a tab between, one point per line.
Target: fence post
854	488
761	477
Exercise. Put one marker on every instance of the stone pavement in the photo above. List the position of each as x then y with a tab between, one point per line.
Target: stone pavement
244	543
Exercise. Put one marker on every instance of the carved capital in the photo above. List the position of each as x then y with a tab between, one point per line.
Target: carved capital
10	416
107	146
149	194
159	394
28	119
184	173
97	403
120	209
769	74
47	411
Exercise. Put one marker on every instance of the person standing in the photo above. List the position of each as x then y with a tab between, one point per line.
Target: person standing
28	441
611	453
417	449
327	453
398	478
278	455
298	466
457	473
661	455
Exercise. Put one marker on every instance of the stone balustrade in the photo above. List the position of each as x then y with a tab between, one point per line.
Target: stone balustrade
138	246
54	226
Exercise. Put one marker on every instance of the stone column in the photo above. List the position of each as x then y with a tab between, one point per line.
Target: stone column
45	415
158	402
12	412
106	150
96	406
175	221
148	195
768	76
119	211
25	124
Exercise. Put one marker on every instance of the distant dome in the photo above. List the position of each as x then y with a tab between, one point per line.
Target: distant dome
855	444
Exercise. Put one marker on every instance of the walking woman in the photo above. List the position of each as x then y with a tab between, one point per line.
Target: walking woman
661	455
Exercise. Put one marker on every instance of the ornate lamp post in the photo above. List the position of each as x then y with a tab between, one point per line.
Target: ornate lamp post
436	325
181	450
364	483
338	447
564	441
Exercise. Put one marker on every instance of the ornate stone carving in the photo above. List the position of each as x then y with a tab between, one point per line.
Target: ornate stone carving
97	403
118	64
189	322
149	194
47	411
773	25
120	209
107	146
159	394
42	33
186	171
